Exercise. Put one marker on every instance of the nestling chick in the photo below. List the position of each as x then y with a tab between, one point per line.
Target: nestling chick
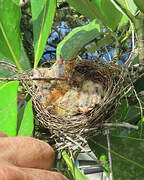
76	96
79	101
90	95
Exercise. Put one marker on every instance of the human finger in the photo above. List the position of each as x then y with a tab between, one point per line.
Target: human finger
27	152
37	174
11	172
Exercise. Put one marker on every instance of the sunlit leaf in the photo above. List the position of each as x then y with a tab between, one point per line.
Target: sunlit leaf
76	172
8	108
127	155
10	31
124	21
106	167
76	40
42	16
26	126
128	7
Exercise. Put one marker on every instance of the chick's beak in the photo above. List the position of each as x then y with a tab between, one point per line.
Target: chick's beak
85	110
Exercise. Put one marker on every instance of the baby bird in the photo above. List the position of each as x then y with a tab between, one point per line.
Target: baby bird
63	97
90	95
81	101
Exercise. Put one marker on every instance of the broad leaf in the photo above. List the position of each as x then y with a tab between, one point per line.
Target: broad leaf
76	172
76	40
7	71
26	126
24	61
140	4
127	155
8	108
128	7
42	16
86	8
122	112
10	31
103	10
111	16
124	21
94	46
139	84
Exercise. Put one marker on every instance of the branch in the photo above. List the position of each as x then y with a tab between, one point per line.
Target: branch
127	125
33	79
132	54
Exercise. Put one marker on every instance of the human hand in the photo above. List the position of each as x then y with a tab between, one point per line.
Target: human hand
26	158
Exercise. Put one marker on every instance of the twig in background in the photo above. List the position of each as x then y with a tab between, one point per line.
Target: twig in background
141	110
127	125
109	154
132	54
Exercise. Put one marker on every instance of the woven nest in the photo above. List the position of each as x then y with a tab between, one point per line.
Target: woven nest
77	105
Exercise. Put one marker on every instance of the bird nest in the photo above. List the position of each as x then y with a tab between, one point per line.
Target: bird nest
81	96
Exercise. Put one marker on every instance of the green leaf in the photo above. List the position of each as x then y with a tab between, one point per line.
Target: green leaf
94	46
127	155
24	60
124	21
127	7
139	84
140	4
10	31
76	40
111	16
130	5
8	108
86	8
106	167
5	71
122	112
26	126
76	172
103	10
42	16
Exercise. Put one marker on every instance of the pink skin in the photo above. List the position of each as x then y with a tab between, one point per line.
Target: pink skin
95	100
60	60
85	110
